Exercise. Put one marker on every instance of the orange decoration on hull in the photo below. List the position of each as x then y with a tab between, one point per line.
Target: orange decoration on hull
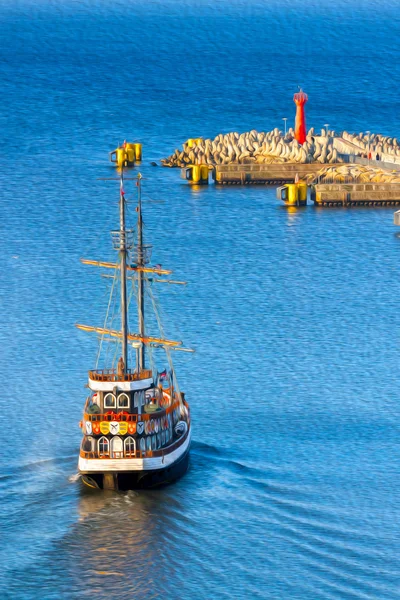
300	131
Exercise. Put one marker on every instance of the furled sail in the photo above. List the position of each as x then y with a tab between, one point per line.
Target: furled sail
131	336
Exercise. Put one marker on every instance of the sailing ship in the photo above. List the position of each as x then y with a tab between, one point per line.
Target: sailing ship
136	421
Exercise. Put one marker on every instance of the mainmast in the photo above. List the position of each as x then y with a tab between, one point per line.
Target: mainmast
123	255
124	243
140	264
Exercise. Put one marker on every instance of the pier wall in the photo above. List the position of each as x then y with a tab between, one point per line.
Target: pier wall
360	194
275	173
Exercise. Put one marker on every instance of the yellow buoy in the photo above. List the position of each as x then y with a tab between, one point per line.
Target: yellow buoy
125	155
293	194
196	174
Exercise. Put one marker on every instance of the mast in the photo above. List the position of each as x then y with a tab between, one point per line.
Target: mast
140	263
122	255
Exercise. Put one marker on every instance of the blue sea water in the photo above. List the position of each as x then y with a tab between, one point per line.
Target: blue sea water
293	487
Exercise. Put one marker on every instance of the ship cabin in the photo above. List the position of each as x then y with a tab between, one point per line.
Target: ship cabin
127	416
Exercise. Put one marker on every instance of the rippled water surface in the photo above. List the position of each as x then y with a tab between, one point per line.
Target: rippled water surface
293	486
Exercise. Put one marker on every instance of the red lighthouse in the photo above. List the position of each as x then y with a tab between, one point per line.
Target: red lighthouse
300	131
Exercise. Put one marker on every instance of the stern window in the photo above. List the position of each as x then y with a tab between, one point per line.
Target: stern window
109	401
104	447
130	446
123	401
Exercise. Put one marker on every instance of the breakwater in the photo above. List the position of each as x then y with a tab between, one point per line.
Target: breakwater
253	147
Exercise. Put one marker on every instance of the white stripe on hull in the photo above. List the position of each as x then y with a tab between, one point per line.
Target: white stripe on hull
106	465
123	386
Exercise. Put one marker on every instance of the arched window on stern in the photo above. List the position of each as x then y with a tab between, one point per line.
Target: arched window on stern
129	447
110	401
104	447
116	446
123	401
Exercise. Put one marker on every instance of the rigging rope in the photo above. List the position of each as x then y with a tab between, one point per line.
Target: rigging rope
113	316
131	292
167	350
105	322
